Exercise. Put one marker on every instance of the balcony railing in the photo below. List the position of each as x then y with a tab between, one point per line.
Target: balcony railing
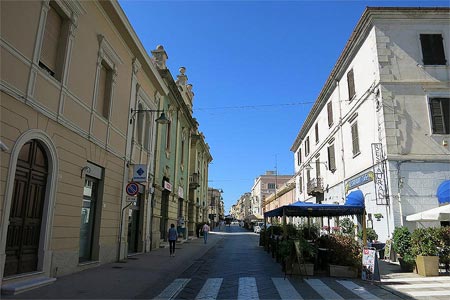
194	181
315	186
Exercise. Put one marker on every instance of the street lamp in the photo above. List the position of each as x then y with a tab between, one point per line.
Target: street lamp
161	120
308	165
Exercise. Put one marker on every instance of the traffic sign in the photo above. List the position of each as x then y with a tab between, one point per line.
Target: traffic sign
132	189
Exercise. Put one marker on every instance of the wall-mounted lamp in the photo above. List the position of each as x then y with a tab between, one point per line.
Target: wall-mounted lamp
308	166
161	120
85	170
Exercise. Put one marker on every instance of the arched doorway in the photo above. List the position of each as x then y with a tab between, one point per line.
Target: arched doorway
26	211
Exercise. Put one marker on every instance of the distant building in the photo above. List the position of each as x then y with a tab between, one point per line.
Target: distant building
381	123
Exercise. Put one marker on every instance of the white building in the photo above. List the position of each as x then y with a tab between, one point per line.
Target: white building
381	122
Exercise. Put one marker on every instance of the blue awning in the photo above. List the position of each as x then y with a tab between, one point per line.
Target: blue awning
355	198
443	192
305	209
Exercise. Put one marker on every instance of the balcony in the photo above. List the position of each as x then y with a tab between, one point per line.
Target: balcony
194	181
315	186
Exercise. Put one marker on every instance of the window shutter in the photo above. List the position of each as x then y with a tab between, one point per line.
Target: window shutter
355	141
101	91
317	169
49	51
440	115
330	113
317	132
351	84
331	158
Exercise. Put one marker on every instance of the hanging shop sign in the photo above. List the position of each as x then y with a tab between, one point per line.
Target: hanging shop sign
168	186
379	170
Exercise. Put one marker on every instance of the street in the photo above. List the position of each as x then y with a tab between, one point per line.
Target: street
230	266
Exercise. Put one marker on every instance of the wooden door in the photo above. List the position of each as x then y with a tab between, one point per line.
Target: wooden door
25	218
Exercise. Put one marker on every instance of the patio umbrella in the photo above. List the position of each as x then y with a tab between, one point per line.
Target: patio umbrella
441	213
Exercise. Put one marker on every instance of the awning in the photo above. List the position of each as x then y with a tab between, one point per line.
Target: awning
443	192
441	213
254	217
355	198
305	209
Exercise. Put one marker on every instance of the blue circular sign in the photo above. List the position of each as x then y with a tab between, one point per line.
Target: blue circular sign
132	189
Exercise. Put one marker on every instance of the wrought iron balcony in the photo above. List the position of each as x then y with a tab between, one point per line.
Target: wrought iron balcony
315	186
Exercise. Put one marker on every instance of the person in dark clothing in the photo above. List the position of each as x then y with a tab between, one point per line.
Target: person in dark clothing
173	235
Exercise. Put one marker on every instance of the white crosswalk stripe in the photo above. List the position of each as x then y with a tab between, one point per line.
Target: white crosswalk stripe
322	289
358	290
210	289
285	289
248	289
420	287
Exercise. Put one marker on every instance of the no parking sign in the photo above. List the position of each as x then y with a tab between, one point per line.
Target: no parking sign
132	189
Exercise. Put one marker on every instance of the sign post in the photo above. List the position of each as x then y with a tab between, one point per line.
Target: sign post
370	269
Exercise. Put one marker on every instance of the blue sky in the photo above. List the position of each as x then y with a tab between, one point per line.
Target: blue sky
256	69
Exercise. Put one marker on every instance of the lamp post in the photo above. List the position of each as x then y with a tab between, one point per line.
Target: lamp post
162	119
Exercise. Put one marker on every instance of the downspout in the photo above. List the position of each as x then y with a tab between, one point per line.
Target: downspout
342	137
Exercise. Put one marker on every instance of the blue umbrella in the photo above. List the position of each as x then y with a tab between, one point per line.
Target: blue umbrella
443	192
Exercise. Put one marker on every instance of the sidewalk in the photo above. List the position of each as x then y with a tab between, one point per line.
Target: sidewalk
138	277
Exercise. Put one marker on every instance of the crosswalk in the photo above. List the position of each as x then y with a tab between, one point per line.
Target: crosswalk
421	287
248	289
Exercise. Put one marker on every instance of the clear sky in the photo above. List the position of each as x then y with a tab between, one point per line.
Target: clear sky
256	68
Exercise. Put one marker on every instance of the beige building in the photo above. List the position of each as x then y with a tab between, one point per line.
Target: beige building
79	100
284	195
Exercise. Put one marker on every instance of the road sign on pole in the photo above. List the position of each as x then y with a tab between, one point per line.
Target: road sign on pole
132	189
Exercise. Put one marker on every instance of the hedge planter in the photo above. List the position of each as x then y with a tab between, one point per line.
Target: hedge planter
343	271
427	265
406	266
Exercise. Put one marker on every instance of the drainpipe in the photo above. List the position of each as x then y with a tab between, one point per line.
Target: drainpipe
342	136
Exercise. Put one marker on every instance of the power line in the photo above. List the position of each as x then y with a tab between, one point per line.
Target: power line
254	106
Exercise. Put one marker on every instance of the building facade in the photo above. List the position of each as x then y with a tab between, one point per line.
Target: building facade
263	186
80	112
381	122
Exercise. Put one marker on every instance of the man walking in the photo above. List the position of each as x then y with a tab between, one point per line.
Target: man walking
173	235
205	230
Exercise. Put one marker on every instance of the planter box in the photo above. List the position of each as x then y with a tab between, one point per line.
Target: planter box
427	265
343	271
303	269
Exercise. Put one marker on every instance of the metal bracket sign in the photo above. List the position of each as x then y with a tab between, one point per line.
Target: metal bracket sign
379	170
139	173
132	189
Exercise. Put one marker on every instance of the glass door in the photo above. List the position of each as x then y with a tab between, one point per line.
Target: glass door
88	218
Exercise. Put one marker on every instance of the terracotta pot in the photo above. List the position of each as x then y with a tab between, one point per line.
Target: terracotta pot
427	265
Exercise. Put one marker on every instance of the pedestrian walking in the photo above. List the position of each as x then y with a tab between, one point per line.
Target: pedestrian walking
205	230
173	235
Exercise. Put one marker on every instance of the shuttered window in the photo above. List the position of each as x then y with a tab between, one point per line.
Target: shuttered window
301	185
317	169
104	94
307	146
299	156
331	158
316	129
355	138
432	49
50	44
330	113
351	84
440	115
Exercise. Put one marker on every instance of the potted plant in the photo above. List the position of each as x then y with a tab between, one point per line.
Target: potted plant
444	247
402	246
344	255
425	243
378	216
303	257
347	226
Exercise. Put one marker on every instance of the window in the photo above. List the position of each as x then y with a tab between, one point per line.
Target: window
299	156
140	124
271	186
301	185
104	93
330	113
440	115
351	84
331	158
169	127
317	168
52	49
307	146
355	138
182	152
316	130
432	49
